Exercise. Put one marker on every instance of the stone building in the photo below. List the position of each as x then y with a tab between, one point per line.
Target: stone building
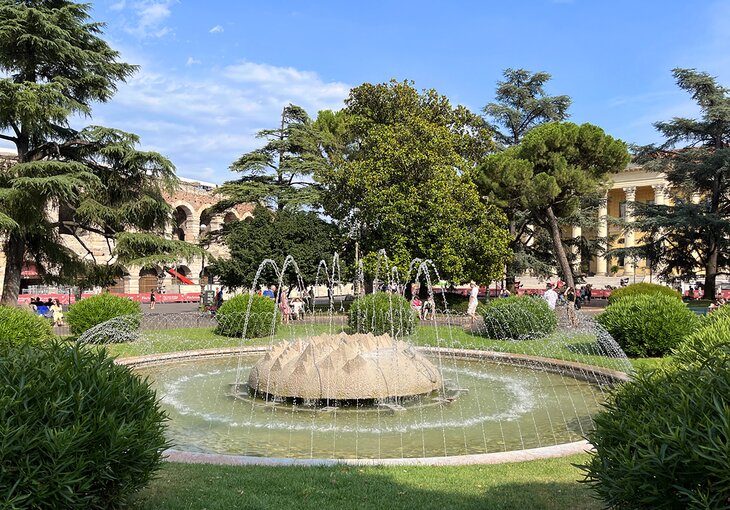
192	219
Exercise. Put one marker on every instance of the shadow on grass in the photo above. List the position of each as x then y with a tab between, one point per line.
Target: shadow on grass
470	487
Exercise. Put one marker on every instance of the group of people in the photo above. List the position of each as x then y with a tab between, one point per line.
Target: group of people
719	302
426	309
50	306
288	309
572	298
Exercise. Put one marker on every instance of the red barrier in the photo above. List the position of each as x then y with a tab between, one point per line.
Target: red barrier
65	299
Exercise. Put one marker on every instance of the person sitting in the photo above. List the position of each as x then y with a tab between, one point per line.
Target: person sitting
416	304
297	308
428	308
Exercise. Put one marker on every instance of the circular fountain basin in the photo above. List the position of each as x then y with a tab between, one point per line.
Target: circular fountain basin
509	407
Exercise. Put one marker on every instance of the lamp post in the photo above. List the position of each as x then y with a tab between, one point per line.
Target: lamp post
203	272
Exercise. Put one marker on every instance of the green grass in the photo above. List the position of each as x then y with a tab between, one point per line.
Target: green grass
542	484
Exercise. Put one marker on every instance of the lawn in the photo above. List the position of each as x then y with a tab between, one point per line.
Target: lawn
542	484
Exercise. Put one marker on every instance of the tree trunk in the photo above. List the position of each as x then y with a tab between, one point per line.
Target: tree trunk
558	246
14	252
711	274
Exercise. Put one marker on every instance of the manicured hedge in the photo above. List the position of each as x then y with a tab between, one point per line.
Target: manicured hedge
92	311
23	326
662	441
78	431
518	318
649	324
232	317
382	312
637	289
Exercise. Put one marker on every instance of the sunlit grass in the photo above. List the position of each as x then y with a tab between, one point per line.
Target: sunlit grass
542	484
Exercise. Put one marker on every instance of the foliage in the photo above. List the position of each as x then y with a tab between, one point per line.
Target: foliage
661	443
277	173
18	326
89	312
54	66
518	318
403	183
648	324
522	104
303	235
637	289
687	236
79	431
252	313
555	171
382	312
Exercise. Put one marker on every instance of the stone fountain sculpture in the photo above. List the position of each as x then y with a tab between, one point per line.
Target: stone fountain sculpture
344	368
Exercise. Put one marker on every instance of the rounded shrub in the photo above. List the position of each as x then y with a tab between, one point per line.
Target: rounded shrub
648	324
518	318
78	430
662	441
232	317
382	312
22	326
89	312
640	289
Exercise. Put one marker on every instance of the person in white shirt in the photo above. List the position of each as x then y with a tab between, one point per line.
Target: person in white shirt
473	302
550	296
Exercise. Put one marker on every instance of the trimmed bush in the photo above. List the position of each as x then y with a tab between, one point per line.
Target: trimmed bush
87	313
382	312
662	441
639	289
23	326
649	324
78	431
232	317
518	318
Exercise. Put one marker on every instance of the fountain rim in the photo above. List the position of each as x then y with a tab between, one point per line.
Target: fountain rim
571	368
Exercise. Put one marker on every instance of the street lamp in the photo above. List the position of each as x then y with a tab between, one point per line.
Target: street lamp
203	272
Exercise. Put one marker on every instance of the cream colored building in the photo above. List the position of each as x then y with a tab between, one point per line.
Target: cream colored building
633	184
191	203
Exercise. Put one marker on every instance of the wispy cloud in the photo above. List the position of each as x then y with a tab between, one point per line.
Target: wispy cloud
192	61
150	17
216	29
203	124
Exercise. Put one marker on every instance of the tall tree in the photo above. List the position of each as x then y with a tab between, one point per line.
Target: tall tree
278	173
56	65
691	233
303	235
404	182
521	104
561	165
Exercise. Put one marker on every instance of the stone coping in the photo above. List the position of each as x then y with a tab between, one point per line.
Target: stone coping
582	371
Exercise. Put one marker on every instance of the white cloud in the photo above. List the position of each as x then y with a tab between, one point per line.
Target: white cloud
192	61
118	6
216	29
151	15
206	123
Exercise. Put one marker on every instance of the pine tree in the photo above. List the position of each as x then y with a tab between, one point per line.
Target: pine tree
56	66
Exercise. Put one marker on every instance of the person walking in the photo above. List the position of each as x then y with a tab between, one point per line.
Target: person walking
153	299
550	296
471	311
571	298
284	307
57	311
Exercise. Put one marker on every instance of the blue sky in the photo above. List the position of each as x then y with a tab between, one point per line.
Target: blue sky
213	73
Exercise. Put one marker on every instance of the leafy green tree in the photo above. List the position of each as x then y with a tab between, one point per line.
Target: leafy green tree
561	165
304	235
521	104
686	236
55	66
278	173
402	182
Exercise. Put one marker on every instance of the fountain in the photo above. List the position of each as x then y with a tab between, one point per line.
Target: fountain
318	393
342	368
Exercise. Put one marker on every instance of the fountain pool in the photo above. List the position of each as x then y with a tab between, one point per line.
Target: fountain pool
501	407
